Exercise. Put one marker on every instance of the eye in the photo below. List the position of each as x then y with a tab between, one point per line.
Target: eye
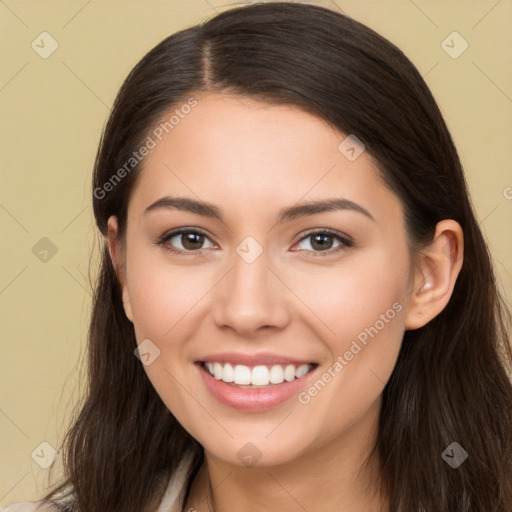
188	241
322	242
184	241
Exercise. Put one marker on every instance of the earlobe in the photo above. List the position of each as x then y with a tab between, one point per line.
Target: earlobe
114	248
426	286
437	271
127	305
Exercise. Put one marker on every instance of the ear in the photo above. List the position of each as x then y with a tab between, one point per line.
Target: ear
436	274
114	248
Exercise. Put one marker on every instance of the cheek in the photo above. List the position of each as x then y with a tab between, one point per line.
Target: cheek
162	294
164	299
352	295
360	309
362	305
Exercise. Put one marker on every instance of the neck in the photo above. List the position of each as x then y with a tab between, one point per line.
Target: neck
314	481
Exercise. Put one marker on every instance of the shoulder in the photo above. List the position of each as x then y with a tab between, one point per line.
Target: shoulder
29	506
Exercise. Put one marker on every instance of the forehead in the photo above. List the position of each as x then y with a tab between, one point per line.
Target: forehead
250	156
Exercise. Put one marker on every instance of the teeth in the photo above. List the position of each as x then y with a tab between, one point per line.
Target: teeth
227	373
301	371
261	375
242	375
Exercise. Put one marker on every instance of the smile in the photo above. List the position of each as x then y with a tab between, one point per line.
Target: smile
256	376
255	388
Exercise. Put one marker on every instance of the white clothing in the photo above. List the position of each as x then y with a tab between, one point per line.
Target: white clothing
172	500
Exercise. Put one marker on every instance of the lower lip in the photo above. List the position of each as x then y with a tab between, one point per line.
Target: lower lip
253	400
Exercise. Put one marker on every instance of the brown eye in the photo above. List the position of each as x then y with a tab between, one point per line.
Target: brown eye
324	242
191	241
321	241
183	241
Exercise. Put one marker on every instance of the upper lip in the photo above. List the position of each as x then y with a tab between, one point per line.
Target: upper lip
263	358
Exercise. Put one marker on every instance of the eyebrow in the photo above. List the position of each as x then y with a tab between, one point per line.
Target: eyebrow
285	215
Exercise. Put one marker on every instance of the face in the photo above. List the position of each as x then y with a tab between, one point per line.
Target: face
255	287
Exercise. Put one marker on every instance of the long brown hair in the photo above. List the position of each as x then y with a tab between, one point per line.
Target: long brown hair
450	383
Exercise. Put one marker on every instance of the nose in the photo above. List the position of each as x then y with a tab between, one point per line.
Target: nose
250	298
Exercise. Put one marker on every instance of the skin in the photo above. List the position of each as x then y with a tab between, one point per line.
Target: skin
251	159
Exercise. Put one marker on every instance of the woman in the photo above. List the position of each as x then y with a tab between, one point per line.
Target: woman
296	308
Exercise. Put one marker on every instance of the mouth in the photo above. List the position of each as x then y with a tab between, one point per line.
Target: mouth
255	387
258	376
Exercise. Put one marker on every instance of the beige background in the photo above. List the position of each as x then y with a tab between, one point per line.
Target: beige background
53	110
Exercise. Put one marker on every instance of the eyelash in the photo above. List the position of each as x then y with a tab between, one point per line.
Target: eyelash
345	242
